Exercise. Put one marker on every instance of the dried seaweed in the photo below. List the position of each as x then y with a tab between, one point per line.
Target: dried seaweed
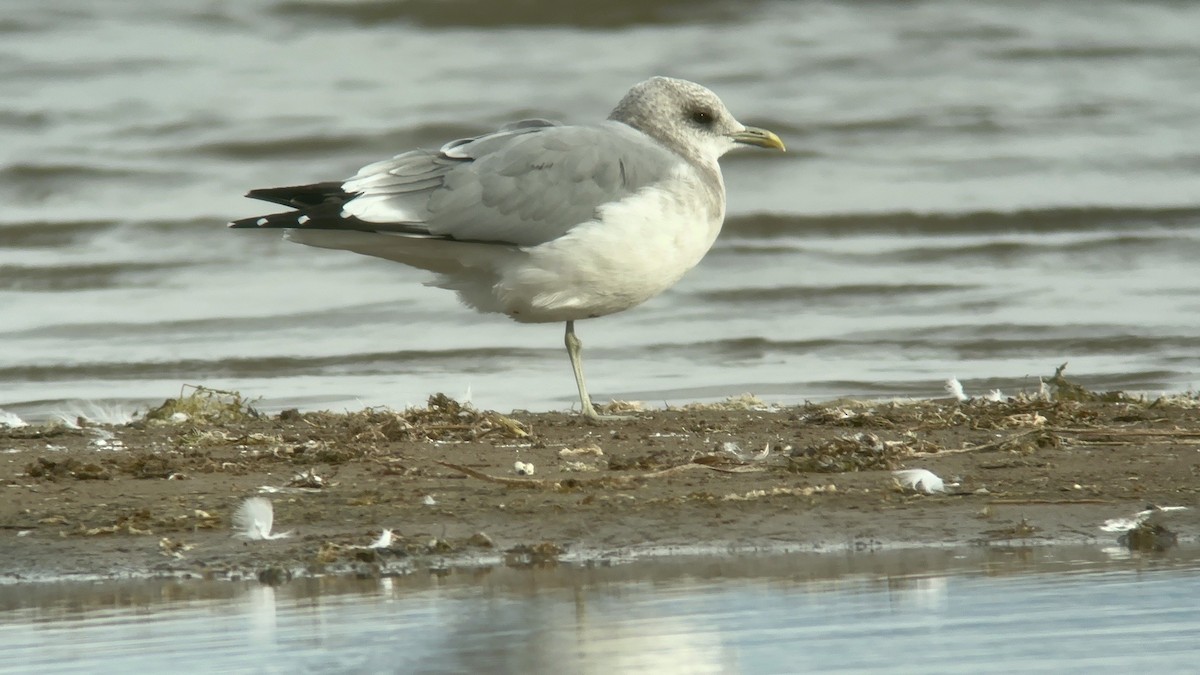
204	406
443	420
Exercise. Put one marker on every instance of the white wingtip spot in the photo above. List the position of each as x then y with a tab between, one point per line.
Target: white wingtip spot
302	220
261	221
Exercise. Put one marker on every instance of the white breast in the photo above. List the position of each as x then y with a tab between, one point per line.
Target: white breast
636	249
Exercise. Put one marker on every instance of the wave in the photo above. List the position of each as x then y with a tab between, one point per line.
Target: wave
1063	220
341	317
82	69
1065	346
966	120
79	277
1087	252
42	234
490	14
28	183
1091	52
374	363
24	120
324	145
825	294
30	173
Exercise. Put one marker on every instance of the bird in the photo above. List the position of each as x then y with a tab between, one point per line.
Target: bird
542	221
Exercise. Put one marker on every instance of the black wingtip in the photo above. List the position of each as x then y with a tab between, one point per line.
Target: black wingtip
302	196
246	223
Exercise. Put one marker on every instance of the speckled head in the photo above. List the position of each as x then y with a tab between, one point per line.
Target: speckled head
687	118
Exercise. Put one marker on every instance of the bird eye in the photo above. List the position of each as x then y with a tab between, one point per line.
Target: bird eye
702	117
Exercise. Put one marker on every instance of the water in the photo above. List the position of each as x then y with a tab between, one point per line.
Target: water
1066	610
983	190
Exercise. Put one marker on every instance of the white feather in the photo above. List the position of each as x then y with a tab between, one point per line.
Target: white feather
920	480
384	540
955	389
11	420
254	519
96	412
1120	524
1127	524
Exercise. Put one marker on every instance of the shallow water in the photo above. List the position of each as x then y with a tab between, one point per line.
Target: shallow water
981	610
983	190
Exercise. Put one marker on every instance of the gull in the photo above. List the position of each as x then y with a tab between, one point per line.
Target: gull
541	221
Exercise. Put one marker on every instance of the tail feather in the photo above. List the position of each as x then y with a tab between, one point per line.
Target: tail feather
319	207
303	196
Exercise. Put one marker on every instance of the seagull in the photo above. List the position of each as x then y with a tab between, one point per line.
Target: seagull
541	221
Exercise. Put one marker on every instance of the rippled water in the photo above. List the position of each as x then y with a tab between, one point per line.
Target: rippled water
981	189
1070	610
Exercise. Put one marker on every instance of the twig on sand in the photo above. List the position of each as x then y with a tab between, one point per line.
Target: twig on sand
605	480
1080	434
1101	431
1023	502
503	480
994	445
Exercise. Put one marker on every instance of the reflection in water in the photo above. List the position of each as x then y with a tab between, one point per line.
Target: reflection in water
998	610
259	602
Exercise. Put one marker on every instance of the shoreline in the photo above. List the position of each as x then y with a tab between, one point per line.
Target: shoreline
156	497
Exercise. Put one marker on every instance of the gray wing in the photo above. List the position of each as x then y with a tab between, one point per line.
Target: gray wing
526	184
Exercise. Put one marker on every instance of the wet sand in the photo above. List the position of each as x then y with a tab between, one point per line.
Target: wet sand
156	496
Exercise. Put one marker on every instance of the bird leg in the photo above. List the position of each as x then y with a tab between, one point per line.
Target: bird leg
574	348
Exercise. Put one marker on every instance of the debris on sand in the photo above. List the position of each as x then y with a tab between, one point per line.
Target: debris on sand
442	420
445	470
203	406
584	450
173	548
1149	536
740	402
863	451
308	480
806	491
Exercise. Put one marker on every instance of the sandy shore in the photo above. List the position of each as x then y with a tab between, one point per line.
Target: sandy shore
157	496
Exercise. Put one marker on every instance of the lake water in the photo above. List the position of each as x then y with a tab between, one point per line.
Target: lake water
981	610
982	190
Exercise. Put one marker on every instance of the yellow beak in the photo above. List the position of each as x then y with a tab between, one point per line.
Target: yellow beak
760	137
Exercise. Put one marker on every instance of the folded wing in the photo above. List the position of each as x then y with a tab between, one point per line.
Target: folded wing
525	184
